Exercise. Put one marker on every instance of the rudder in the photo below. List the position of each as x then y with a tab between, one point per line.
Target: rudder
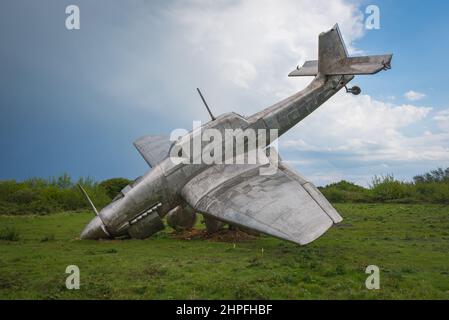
331	49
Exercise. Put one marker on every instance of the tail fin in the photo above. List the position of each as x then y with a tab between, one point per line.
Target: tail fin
331	49
333	59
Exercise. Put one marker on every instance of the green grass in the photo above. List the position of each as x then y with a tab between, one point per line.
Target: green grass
409	243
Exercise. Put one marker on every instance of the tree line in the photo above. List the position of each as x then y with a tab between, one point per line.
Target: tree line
56	194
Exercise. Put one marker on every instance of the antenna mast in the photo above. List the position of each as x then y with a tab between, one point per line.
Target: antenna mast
205	103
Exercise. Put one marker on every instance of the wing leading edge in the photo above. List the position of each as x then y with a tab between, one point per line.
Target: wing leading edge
153	149
283	204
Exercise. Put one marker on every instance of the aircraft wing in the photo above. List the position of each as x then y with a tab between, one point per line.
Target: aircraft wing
282	204
153	149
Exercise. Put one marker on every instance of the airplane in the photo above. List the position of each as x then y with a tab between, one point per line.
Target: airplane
283	204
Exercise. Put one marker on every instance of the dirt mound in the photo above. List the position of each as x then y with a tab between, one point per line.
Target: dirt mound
225	235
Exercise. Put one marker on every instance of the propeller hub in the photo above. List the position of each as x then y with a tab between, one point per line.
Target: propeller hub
94	230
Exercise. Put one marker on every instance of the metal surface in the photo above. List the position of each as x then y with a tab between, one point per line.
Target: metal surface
334	60
275	204
282	204
153	149
183	217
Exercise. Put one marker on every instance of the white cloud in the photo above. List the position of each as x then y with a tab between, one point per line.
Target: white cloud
414	96
442	119
240	71
366	129
250	42
361	136
238	52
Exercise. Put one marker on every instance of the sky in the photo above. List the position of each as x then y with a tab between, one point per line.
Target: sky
74	100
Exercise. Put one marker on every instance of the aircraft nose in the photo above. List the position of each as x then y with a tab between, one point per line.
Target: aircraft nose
94	230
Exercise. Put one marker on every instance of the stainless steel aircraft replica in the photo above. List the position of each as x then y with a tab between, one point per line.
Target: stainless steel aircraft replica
282	204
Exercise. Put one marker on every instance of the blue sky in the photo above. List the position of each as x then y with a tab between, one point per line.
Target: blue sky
74	101
417	33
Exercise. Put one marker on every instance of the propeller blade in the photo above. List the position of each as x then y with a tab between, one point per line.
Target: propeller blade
88	199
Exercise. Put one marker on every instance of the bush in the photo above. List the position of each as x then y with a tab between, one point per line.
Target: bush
344	191
432	187
387	188
114	186
433	192
25	195
438	175
40	196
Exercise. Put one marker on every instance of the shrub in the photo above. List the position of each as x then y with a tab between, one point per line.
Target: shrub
7	188
114	186
432	187
334	195
344	191
433	192
386	188
25	195
40	196
347	186
438	175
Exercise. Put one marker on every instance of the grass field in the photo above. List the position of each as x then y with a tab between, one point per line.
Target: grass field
409	243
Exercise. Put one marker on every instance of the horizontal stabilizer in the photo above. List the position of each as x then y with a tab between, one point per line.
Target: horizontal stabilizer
361	65
309	68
